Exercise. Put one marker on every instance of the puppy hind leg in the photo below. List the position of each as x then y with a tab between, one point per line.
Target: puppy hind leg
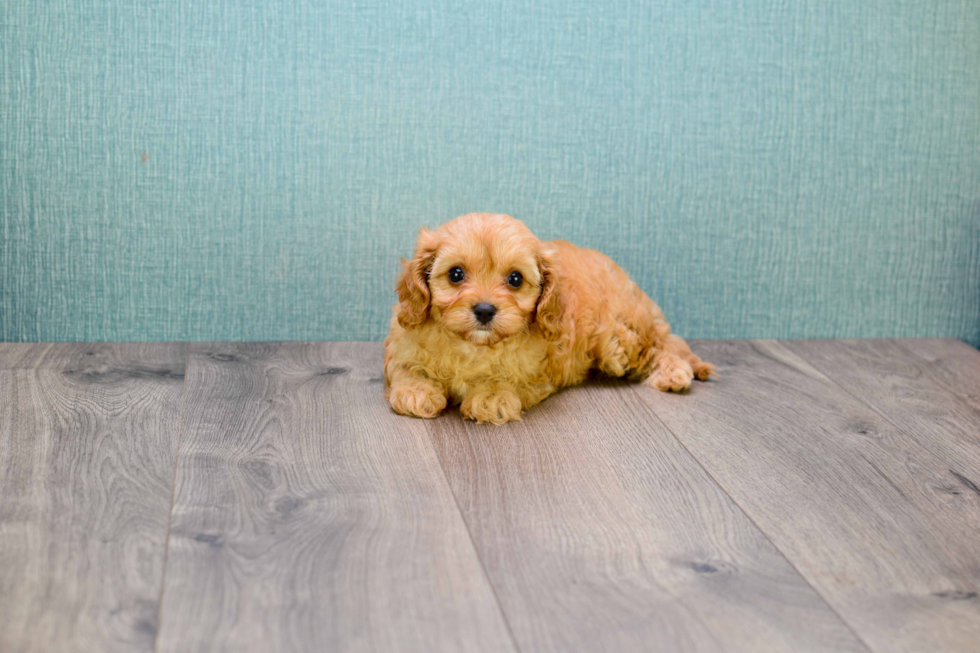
611	356
674	364
677	346
671	373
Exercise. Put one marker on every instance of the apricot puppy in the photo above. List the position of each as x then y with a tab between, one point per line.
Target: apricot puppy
495	320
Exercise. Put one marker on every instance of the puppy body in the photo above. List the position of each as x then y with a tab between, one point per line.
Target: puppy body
572	311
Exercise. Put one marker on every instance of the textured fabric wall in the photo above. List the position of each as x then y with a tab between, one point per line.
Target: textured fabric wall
236	169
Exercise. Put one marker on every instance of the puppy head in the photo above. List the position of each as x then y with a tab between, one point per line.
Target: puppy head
482	277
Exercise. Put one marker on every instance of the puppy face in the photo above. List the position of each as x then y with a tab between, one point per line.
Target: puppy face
480	276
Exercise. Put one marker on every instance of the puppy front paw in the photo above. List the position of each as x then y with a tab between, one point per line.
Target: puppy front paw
672	375
494	407
416	400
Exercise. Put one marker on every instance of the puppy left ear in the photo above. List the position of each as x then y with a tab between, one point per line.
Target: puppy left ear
413	284
549	310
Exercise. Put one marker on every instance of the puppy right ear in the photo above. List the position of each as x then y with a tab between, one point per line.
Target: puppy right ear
413	284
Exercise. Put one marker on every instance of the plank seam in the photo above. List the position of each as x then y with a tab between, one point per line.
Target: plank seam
823	598
905	432
908	433
928	366
173	496
469	535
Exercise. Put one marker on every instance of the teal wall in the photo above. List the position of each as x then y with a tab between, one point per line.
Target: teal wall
235	169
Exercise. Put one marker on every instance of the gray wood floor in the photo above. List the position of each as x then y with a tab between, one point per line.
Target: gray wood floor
818	496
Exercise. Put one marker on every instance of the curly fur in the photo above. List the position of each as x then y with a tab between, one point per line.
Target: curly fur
575	311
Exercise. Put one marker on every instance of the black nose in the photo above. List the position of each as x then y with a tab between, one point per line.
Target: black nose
484	312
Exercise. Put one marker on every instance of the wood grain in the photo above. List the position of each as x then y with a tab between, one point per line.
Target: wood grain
600	533
854	502
912	391
88	436
92	355
14	355
309	517
951	362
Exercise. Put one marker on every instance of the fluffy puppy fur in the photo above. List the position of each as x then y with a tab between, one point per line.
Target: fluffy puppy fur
573	310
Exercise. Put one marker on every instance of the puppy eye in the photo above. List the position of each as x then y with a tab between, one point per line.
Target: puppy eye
456	275
515	279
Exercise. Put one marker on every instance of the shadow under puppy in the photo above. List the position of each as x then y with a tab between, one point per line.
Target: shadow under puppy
495	320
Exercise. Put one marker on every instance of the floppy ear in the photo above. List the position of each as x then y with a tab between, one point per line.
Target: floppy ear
548	312
413	284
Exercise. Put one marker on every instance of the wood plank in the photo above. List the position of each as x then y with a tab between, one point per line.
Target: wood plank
15	355
61	355
952	363
87	445
853	502
309	517
914	393
600	533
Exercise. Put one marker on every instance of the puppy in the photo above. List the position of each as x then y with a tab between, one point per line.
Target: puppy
495	320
